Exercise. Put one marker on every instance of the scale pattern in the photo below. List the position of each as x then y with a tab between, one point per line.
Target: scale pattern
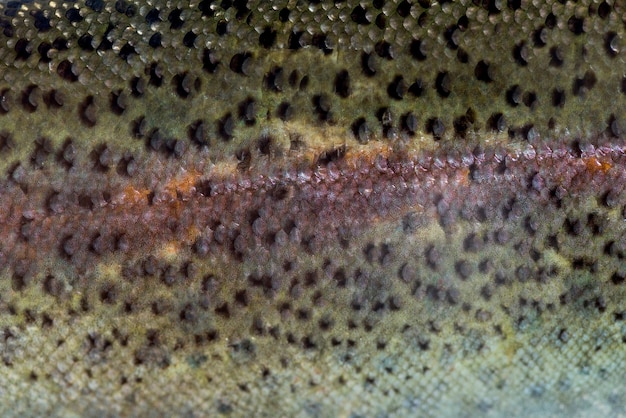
312	208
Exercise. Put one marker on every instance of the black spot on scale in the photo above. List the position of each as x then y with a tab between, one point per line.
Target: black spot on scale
409	123
66	71
7	27
576	25
368	64
247	111
275	79
153	16
436	127
385	50
54	99
418	50
514	95
342	84
123	7
23	49
521	54
241	62
41	21
558	97
106	43
484	72
126	51
155	40
85	42
585	83
227	126
443	84
359	16
322	106
156	74
31	98
73	15
284	14
189	40
197	132
209	61
556	57
267	39
118	102
285	111
88	111
95	5
44	49
175	19
361	130
186	84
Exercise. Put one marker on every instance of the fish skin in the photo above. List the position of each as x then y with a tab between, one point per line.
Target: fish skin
176	240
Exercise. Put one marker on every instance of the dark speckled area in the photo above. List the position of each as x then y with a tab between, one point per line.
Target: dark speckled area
312	208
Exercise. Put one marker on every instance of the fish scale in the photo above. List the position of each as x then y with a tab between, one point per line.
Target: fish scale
312	208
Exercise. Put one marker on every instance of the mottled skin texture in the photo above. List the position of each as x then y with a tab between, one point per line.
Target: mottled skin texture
292	208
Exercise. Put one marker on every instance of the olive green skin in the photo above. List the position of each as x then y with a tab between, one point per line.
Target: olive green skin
290	208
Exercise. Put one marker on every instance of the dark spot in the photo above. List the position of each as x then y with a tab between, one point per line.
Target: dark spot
153	16
88	111
514	4
576	25
540	37
551	21
463	269
436	127
368	64
176	22
331	155
384	50
443	84
558	98
361	130
73	15
209	62
247	111
618	278
409	123
462	56
108	294
342	84
359	16
583	84
611	44
397	88
296	40
484	72
323	42
275	79
556	56
521	54
530	99
404	8
189	40
66	70
126	51
267	37
285	111
514	95
240	63
604	9
283	15
227	126
497	122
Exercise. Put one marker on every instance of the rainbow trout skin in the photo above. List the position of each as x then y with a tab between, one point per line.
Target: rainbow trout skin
312	208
